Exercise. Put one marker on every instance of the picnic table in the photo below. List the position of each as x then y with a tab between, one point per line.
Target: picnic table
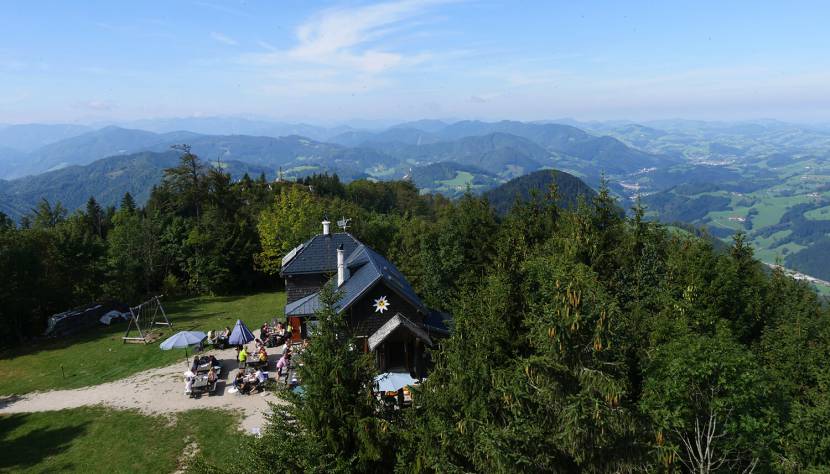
206	368
199	381
255	363
200	385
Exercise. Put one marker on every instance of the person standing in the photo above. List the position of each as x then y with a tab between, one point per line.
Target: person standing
243	358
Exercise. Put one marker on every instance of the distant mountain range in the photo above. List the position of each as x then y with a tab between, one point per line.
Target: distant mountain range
504	149
763	177
234	126
28	137
106	179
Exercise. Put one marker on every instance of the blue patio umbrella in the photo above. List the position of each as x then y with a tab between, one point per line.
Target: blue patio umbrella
183	339
240	334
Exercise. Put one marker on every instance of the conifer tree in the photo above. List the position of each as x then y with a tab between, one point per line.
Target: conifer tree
94	217
333	426
5	221
128	203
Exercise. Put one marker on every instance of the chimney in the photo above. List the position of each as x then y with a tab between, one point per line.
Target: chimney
342	270
326	225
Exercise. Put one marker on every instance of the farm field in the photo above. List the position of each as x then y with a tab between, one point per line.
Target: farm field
772	183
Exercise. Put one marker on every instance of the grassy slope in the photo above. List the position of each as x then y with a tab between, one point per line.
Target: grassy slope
95	439
462	178
100	355
819	214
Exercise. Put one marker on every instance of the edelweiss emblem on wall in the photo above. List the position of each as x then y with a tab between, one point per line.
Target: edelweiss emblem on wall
381	305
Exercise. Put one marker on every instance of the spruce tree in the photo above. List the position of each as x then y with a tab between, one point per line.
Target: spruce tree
5	221
128	203
94	217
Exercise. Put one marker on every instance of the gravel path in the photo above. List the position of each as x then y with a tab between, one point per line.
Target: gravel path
155	391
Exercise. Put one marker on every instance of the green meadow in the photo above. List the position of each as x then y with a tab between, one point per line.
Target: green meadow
100	356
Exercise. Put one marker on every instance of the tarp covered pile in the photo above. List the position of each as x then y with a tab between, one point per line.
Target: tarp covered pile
85	317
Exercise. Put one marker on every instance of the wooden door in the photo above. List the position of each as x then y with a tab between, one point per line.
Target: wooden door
296	328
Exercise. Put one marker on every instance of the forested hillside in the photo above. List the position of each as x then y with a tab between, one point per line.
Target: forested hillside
568	188
106	180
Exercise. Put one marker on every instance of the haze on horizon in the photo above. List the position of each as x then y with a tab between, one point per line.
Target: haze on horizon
409	59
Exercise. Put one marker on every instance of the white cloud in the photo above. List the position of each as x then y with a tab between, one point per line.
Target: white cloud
224	39
347	36
344	49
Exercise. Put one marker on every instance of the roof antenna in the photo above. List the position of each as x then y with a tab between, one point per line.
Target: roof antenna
343	223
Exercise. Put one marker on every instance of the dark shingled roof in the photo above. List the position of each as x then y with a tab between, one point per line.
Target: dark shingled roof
367	267
318	254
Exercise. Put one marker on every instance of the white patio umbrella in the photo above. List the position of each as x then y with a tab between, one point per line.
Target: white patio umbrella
393	381
183	339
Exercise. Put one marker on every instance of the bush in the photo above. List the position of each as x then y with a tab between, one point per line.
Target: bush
171	285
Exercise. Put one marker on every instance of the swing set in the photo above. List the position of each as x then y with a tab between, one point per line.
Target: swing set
145	317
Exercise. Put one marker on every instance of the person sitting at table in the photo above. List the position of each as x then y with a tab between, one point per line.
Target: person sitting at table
211	376
248	384
213	361
261	375
277	335
264	331
195	365
243	357
239	380
222	339
262	354
258	380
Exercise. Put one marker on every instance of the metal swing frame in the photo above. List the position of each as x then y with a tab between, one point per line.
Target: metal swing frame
137	321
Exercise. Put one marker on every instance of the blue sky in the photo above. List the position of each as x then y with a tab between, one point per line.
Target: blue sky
408	59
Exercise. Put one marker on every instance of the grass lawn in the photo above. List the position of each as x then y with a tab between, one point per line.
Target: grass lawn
95	439
99	355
